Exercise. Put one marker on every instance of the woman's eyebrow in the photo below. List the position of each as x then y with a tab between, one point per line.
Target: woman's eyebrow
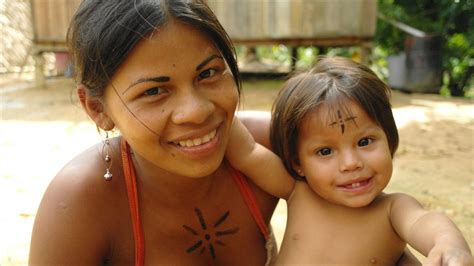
155	79
207	60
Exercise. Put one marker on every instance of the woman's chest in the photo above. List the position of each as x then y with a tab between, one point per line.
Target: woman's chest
205	234
218	231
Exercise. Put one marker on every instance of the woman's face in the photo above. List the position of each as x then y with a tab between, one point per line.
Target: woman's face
173	99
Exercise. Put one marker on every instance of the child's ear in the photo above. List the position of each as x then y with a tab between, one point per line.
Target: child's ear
298	170
94	108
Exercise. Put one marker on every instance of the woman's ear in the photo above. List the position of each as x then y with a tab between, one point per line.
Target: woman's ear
94	107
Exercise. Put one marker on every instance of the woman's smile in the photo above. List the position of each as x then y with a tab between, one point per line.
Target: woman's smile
200	146
197	141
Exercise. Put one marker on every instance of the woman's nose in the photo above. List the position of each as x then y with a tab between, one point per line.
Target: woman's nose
193	107
350	160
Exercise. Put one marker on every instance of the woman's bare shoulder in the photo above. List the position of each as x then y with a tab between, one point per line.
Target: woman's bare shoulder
82	179
81	172
74	214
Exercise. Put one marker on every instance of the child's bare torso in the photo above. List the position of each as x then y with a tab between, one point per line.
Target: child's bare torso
319	232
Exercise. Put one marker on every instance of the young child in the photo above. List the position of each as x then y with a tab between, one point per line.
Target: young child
334	130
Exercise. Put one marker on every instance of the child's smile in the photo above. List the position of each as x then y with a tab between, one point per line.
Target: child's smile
357	186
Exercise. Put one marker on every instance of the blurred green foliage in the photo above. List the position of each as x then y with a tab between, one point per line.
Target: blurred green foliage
452	19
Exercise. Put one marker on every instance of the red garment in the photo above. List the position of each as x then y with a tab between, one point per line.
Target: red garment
131	183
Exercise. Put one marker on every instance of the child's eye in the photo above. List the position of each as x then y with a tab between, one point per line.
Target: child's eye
364	142
324	152
207	73
153	91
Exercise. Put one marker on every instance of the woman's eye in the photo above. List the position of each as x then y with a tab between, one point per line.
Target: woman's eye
207	73
364	142
324	152
153	91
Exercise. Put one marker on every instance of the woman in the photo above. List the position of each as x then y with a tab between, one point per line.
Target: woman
164	74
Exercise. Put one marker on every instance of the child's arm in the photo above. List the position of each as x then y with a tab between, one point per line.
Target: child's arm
431	233
257	162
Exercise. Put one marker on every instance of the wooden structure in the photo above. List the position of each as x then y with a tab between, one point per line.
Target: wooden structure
50	20
320	23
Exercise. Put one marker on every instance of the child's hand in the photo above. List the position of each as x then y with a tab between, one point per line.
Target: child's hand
443	255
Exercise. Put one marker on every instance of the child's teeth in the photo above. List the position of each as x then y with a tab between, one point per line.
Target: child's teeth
354	185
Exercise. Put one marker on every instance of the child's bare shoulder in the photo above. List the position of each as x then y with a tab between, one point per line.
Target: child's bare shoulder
397	198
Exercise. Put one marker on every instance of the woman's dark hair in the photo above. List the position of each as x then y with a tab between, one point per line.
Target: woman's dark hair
331	81
102	34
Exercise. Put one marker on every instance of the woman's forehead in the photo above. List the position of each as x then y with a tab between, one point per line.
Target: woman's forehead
174	36
169	47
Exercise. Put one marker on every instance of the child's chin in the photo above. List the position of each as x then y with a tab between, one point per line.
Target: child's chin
357	203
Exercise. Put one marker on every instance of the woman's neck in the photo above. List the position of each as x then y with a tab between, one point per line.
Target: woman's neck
170	188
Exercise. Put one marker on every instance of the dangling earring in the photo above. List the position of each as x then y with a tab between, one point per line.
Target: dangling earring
107	158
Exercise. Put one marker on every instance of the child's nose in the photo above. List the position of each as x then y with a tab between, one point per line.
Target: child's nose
350	160
193	107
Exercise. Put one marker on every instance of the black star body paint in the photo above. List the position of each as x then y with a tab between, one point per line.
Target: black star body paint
205	236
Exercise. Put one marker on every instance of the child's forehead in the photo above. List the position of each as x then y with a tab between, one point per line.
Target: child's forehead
338	115
328	112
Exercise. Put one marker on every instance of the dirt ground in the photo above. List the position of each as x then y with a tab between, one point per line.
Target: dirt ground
41	129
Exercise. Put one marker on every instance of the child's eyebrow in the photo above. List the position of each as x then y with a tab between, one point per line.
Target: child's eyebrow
342	122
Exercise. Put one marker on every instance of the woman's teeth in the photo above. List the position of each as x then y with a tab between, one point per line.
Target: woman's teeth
196	141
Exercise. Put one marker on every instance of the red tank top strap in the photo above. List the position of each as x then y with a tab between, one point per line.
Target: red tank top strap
251	201
131	184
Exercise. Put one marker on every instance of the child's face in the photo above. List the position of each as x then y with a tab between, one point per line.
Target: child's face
346	160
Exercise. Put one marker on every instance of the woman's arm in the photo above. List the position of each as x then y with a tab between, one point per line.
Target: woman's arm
432	234
257	162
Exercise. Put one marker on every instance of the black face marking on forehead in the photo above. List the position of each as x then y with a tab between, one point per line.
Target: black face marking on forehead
209	237
342	122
